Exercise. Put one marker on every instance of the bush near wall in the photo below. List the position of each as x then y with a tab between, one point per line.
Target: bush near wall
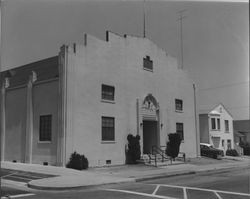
77	161
133	151
173	145
232	152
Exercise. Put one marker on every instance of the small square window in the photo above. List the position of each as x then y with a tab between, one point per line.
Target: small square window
108	129
108	92
179	130
45	128
147	63
178	105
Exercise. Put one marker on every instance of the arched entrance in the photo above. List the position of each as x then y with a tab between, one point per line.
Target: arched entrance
150	122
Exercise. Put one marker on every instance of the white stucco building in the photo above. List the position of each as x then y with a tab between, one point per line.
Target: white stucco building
216	127
90	97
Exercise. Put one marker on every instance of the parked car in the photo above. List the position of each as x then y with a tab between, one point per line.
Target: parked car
209	151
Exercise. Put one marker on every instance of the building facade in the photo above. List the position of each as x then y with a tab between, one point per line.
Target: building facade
98	93
241	131
216	128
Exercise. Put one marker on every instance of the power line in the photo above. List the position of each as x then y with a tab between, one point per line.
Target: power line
223	86
238	107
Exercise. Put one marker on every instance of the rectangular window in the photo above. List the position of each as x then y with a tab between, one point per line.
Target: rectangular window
218	123
179	130
213	123
108	129
178	105
108	92
147	63
226	125
45	128
222	143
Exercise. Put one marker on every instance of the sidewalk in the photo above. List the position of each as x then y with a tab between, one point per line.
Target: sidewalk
69	178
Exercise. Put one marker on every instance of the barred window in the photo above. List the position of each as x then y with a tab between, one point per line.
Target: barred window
108	129
179	130
108	92
178	105
45	128
147	63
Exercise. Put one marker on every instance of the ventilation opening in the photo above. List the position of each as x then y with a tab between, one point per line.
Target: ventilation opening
108	161
14	161
45	163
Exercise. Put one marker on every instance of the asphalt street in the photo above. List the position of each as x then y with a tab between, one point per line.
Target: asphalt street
234	184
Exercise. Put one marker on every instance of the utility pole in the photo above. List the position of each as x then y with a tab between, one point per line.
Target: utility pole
181	17
144	19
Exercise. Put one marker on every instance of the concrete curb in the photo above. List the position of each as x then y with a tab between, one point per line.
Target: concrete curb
77	187
159	176
190	172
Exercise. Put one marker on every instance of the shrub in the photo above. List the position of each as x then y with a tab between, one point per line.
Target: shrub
77	161
134	149
232	152
173	145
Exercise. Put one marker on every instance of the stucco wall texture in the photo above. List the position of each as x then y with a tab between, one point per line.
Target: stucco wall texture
118	62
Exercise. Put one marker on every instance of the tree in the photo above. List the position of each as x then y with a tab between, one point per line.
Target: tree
173	145
134	149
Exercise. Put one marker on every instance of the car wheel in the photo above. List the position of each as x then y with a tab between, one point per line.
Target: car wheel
215	156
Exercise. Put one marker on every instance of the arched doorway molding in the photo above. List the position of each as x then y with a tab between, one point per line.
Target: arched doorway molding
149	123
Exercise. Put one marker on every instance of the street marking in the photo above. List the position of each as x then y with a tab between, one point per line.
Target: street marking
5	182
17	196
156	189
185	193
218	196
9	174
201	189
24	178
139	193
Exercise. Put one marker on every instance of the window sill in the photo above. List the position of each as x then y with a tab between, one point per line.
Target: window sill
108	142
108	101
147	69
44	142
179	111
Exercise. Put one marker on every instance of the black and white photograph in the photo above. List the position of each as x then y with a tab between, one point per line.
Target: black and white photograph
124	99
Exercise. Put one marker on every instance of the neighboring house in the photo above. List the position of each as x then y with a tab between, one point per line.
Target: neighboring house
241	131
90	97
216	127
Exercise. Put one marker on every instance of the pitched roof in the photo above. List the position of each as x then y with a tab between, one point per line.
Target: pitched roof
212	111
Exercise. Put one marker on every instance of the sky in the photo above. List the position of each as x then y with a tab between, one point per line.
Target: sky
215	38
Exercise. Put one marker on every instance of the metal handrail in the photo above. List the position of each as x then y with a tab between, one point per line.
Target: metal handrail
157	150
